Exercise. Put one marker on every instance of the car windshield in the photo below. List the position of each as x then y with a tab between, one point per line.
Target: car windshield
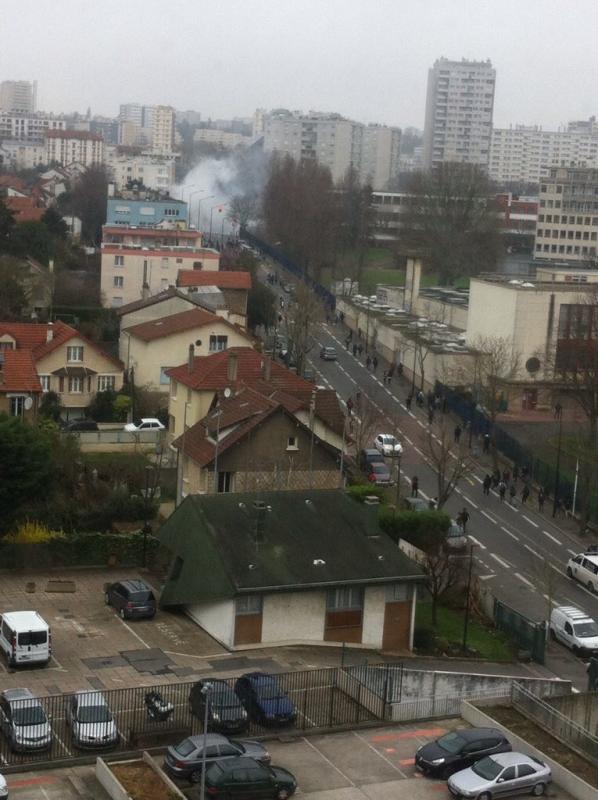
185	748
141	597
28	715
224	697
585	629
94	714
390	440
452	742
380	469
487	768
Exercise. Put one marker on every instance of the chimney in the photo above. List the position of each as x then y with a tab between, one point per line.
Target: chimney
267	368
231	367
191	359
50	332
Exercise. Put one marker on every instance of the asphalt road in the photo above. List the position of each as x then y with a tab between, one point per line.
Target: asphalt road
516	547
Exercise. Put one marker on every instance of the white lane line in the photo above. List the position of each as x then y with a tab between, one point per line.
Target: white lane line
489	517
136	635
388	761
553	538
471	503
479	480
532	551
574	690
571	552
531	522
500	561
512	535
487	577
525	580
424	495
475	541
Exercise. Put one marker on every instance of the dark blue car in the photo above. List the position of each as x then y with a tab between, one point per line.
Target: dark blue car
264	700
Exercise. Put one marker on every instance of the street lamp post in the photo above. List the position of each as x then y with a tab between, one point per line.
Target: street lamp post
147	528
468	599
219	412
557	475
205	690
218	205
209	197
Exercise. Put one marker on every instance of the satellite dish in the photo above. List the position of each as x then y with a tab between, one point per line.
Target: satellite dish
227	392
28	403
198	343
532	365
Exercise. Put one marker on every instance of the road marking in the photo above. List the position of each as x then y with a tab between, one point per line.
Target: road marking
532	551
550	536
531	522
571	552
487	577
471	503
512	535
388	761
136	635
485	513
525	580
500	561
475	541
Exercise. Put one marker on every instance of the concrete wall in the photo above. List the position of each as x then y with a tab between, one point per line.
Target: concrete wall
217	619
294	615
580	708
374	602
424	683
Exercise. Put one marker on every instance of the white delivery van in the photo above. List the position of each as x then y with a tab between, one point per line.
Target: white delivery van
575	629
25	638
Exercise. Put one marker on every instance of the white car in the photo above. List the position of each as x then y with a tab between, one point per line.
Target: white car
388	445
3	788
584	568
146	424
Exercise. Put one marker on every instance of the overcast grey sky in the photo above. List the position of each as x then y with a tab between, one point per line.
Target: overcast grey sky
366	60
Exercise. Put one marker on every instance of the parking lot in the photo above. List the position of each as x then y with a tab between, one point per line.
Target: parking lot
372	764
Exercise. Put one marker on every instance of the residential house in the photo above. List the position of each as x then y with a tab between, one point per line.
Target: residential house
163	304
66	361
153	346
20	387
234	285
289	568
24	209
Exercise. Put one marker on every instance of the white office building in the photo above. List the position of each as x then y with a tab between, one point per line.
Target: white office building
459	108
162	128
19	96
154	172
28	127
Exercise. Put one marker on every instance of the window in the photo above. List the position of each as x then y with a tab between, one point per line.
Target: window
397	593
344	597
119	261
164	263
525	770
17	405
225	481
119	281
75	385
173	388
106	382
508	774
292	443
45	382
164	379
248	604
74	353
568	629
218	343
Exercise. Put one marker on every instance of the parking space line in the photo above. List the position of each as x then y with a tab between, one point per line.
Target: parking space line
388	761
327	760
136	635
485	513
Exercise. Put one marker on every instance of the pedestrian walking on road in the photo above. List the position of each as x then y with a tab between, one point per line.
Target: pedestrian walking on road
350	406
558	507
342	319
525	494
385	377
408	401
541	499
496	478
486	445
486	484
506	476
354	350
415	486
512	493
502	489
400	370
463	519
368	362
375	363
419	399
457	433
347	343
430	416
360	349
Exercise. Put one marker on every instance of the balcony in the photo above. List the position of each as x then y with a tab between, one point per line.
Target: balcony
155	246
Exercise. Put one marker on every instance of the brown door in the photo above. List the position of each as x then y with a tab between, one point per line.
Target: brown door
343	626
397	619
248	628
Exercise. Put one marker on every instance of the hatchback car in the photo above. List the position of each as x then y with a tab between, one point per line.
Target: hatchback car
132	599
78	425
328	353
145	424
379	474
459	749
245	778
264	700
185	759
225	711
23	721
499	775
388	445
91	721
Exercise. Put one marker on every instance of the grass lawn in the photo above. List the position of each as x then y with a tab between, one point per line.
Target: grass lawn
489	643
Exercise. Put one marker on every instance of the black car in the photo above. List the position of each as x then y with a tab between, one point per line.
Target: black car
132	599
78	425
225	711
459	749
264	700
246	779
185	760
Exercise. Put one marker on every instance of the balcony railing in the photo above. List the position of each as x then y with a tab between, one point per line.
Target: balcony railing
156	246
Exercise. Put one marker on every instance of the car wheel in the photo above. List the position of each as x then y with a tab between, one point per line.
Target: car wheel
107	599
447	772
195	776
569	572
590	586
539	789
122	613
283	794
485	796
552	635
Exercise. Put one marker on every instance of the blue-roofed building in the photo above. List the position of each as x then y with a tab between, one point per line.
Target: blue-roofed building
145	213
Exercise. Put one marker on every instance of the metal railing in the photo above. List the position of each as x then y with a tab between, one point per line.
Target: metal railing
438	706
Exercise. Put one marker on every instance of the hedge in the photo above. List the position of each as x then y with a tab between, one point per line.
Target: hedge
423	529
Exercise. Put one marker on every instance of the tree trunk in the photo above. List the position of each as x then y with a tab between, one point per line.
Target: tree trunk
434	609
587	476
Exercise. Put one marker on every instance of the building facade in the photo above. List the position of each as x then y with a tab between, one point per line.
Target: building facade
225	139
23	154
154	172
28	127
459	109
162	128
66	147
146	213
19	96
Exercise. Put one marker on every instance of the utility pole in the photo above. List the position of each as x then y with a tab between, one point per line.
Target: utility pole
468	599
557	475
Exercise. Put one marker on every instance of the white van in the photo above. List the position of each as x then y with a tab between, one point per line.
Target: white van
575	629
25	638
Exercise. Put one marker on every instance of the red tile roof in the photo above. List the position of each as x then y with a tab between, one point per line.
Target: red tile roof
223	279
163	233
12	182
33	336
176	323
24	209
18	373
54	134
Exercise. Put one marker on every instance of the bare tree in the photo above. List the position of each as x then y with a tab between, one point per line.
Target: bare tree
304	314
451	461
545	577
363	423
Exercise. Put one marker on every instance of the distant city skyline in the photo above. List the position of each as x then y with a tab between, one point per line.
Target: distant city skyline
366	61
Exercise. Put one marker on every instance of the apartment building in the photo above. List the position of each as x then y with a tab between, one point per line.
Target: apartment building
225	139
28	127
525	153
459	109
162	127
568	215
145	213
19	96
74	147
153	171
338	143
22	155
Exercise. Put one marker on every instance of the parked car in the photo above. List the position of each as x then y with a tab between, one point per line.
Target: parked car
132	599
367	457
225	710
246	779
584	568
23	721
3	788
575	629
379	473
264	700
145	424
78	425
328	353
91	721
185	760
388	445
459	749
25	638
499	775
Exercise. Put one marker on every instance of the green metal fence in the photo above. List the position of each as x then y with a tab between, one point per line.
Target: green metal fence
530	636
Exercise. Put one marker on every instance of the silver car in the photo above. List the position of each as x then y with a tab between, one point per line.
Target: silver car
499	775
91	720
24	721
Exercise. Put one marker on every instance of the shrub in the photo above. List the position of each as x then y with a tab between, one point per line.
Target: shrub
424	639
32	532
101	407
423	529
359	492
121	407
